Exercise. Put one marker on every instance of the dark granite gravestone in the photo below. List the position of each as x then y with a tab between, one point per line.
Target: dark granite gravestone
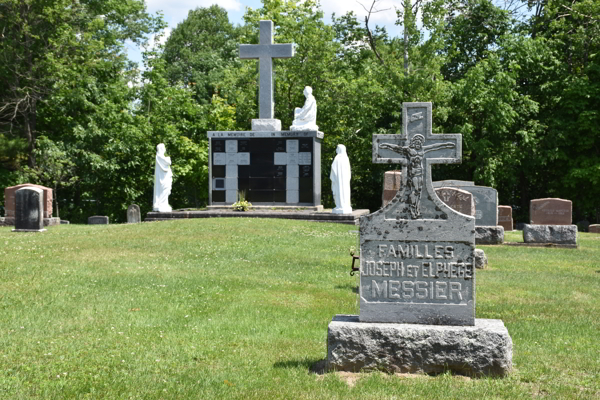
98	220
133	214
29	210
417	273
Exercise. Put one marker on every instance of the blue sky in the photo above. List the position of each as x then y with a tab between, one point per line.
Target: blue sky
175	11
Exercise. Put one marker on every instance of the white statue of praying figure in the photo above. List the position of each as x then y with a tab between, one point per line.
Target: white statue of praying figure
305	118
163	180
340	181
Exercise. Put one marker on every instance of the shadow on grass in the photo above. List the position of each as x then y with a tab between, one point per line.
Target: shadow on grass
348	286
315	366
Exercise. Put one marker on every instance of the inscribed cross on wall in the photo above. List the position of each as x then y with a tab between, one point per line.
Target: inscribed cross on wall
417	254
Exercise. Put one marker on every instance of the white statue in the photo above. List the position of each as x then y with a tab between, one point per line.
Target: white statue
163	180
305	118
340	181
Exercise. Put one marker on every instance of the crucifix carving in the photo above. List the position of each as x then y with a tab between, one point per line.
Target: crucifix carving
416	149
265	51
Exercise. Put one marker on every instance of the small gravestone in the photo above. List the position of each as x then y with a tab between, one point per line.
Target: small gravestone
505	217
417	273
595	228
457	199
29	206
133	214
392	182
98	220
10	208
550	211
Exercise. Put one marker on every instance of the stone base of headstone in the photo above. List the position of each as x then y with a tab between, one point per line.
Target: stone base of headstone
557	234
10	221
489	234
481	260
266	125
481	350
64	222
595	228
29	230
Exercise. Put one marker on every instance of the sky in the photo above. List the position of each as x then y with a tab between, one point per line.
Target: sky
175	11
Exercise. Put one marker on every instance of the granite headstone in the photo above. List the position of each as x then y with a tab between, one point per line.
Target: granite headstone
594	228
133	214
486	200
392	182
29	205
98	220
457	199
505	217
550	211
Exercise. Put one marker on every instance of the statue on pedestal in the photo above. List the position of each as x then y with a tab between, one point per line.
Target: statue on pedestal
305	118
340	181
163	180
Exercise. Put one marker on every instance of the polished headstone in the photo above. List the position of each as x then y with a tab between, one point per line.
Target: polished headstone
98	220
550	211
486	200
133	214
505	217
29	207
457	199
417	254
392	182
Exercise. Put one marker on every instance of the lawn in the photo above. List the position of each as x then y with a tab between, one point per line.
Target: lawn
238	309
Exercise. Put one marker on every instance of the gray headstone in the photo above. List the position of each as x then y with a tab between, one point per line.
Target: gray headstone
417	257
98	220
29	210
133	214
265	51
486	200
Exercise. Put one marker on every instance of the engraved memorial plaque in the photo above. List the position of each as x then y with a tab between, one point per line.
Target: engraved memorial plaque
292	158
243	159
231	146
304	158
219	158
292	146
280	158
417	253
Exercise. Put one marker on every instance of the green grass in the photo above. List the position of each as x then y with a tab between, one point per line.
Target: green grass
238	309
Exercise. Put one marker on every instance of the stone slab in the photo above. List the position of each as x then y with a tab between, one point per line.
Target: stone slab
29	205
557	234
133	214
594	228
489	234
98	220
457	199
266	125
264	212
484	349
550	211
505	218
9	200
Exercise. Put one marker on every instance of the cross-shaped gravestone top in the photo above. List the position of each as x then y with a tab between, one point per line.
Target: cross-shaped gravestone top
417	254
265	51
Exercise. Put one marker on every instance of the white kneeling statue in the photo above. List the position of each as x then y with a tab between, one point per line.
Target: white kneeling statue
340	181
163	180
305	118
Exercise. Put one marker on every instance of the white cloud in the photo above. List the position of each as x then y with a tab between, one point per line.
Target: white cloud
176	11
162	38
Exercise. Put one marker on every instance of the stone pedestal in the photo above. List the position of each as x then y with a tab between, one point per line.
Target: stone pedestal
484	349
557	234
489	234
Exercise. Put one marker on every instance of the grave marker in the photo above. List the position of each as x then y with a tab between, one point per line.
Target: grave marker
457	199
486	200
505	217
29	206
133	214
550	211
98	220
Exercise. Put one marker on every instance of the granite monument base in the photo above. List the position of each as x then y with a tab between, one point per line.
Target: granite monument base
10	221
481	350
489	234
557	234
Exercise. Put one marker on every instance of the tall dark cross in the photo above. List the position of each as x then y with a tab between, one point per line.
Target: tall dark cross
416	149
265	51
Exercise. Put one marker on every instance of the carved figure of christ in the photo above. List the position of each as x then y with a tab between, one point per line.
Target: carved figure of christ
265	51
